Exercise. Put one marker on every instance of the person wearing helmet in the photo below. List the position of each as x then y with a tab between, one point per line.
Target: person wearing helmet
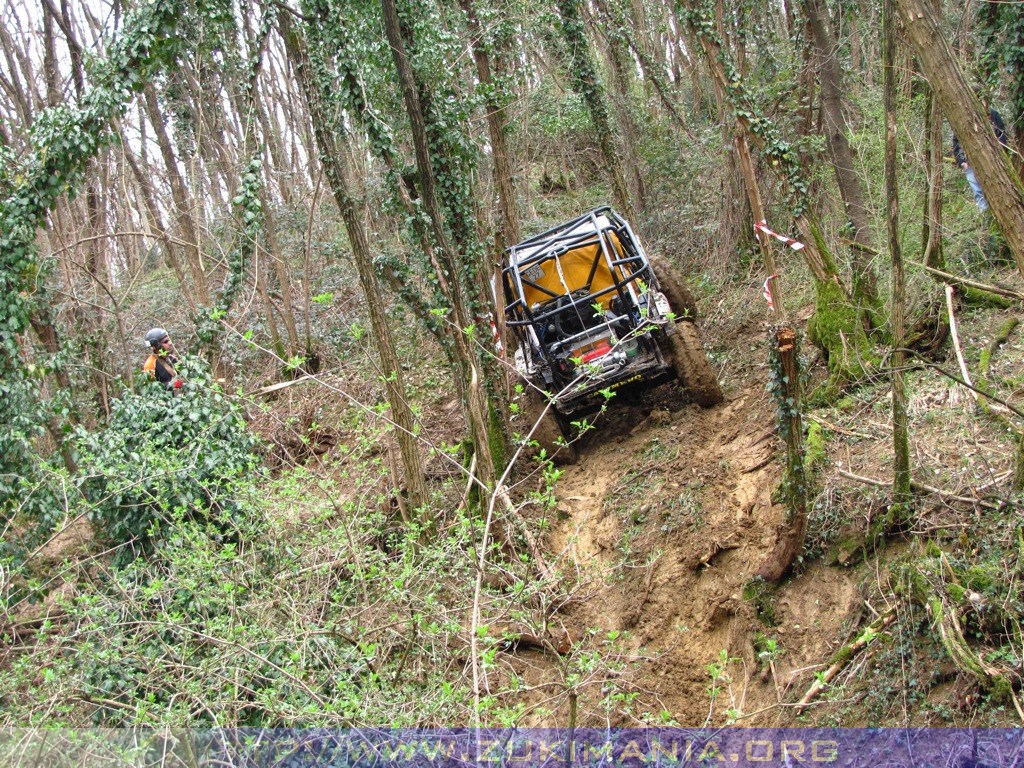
163	361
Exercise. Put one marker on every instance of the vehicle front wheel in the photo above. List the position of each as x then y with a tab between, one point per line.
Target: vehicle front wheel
671	283
691	365
548	434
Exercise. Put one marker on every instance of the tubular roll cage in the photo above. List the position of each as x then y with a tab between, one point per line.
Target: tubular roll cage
555	242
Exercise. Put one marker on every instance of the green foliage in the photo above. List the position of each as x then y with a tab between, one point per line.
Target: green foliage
63	140
815	451
767	649
761	595
162	453
335	615
1000	28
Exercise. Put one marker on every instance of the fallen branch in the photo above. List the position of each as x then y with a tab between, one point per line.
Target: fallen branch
543	569
844	655
759	465
951	633
999	339
841	430
996	409
963	281
956	343
920	488
280	385
21	630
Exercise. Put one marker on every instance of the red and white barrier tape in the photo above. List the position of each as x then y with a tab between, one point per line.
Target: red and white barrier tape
762	226
768	292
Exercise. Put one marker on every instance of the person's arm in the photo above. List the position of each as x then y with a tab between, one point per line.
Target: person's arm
958	153
999	127
163	374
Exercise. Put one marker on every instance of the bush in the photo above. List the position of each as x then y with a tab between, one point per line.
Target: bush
162	452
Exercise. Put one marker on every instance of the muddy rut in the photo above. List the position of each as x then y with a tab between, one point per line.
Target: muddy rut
665	516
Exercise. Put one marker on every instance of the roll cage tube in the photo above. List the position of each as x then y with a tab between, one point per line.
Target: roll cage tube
572	238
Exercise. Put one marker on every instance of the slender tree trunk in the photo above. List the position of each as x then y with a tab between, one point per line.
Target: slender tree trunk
260	271
182	204
969	119
819	262
652	73
932	219
42	324
476	402
95	248
588	86
143	181
851	188
248	138
900	428
508	232
790	538
332	156
620	64
836	326
496	123
738	219
698	97
284	282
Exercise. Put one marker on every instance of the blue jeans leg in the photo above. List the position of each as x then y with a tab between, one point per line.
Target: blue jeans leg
979	196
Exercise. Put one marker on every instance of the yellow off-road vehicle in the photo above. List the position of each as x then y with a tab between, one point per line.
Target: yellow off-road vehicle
588	312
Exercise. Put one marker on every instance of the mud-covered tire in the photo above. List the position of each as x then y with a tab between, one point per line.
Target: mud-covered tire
691	366
671	283
548	435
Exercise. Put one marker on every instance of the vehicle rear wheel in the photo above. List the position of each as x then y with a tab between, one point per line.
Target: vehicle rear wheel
548	435
691	365
671	283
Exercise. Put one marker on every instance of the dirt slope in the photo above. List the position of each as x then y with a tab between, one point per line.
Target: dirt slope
665	516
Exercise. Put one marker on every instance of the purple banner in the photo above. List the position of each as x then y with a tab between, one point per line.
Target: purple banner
455	748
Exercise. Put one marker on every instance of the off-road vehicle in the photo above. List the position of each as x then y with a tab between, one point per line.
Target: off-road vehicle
588	312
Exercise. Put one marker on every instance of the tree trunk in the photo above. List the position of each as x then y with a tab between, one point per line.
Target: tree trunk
790	541
332	156
738	219
144	181
284	282
508	232
836	326
620	66
477	409
260	272
900	428
932	219
183	206
969	119
586	83
851	189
